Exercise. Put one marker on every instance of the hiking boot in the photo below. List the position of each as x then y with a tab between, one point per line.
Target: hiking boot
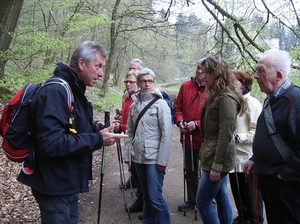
186	206
127	185
141	216
137	206
237	220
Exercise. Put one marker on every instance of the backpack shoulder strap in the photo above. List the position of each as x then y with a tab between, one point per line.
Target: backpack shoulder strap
143	112
70	96
281	146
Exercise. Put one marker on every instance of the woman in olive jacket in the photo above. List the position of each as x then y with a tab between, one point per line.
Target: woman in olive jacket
222	104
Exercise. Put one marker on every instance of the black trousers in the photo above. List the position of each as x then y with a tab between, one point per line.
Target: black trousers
191	177
282	199
245	206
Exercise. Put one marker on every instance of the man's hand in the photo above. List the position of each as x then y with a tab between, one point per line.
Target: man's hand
248	167
186	127
109	138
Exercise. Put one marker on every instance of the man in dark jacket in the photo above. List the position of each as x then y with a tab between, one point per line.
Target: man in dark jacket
64	156
188	107
279	179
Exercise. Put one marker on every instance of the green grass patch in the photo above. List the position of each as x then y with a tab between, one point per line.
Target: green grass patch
173	88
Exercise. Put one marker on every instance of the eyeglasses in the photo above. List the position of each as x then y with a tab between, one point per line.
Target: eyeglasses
146	81
130	82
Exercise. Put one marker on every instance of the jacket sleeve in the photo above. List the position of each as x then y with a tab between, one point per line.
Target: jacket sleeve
227	119
253	112
52	130
165	125
128	140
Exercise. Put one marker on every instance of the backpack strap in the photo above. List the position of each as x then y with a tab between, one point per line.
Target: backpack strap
281	146
142	113
70	96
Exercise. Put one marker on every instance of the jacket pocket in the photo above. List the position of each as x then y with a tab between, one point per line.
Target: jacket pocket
151	149
206	156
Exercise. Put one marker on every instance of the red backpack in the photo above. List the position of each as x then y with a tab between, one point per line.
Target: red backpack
16	124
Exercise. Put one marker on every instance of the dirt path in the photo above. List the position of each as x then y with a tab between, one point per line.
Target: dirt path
17	205
112	206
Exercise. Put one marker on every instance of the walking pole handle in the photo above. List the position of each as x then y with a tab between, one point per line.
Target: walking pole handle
106	118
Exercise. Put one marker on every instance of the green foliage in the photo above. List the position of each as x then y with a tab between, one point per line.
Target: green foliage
111	100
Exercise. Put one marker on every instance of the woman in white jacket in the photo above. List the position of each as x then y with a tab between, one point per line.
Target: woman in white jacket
242	186
149	146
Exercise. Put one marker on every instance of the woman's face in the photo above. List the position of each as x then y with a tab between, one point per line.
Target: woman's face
131	83
208	77
239	85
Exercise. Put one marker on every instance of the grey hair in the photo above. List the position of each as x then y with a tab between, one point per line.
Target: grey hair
200	60
281	60
139	61
87	51
145	71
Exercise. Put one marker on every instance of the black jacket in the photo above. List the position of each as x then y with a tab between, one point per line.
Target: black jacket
268	161
63	159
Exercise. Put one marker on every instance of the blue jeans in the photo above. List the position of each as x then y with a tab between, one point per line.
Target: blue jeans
155	209
209	190
57	209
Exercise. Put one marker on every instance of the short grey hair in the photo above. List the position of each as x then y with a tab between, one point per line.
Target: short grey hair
87	51
281	60
139	61
145	71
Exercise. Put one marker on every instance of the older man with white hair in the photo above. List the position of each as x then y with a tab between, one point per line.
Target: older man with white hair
279	177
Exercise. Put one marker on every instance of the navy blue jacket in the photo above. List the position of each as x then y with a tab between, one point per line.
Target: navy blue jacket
63	159
268	160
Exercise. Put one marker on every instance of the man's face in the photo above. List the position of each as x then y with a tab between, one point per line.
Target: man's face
134	66
90	73
266	76
199	75
146	83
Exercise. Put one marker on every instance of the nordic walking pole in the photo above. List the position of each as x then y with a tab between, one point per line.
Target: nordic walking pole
193	170
255	194
122	176
184	174
107	124
239	193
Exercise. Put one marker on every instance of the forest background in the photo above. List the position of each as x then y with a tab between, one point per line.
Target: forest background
169	36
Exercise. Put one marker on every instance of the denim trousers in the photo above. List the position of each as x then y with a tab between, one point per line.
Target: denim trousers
135	180
155	209
57	209
207	192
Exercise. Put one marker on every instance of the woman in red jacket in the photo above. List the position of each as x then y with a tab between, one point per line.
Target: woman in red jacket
131	86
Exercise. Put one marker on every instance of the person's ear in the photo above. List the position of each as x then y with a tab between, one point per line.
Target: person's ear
81	63
279	75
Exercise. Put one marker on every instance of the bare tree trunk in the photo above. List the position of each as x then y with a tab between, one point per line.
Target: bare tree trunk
113	37
9	16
